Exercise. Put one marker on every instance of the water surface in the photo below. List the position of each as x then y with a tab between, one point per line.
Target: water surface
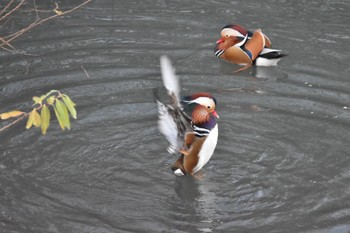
282	160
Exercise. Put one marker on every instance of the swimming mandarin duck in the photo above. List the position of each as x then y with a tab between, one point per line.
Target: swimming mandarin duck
192	136
240	46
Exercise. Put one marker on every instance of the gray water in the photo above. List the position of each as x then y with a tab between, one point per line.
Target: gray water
282	163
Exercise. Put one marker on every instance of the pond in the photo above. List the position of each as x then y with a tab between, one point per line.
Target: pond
282	163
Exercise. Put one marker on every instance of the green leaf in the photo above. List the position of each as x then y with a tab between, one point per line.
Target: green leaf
62	114
59	119
45	119
69	99
70	105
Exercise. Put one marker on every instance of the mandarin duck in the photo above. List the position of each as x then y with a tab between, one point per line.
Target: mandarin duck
240	46
193	134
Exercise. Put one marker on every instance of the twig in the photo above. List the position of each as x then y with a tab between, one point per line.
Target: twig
14	122
15	51
9	50
4	42
11	11
37	22
20	32
7	6
36	10
87	74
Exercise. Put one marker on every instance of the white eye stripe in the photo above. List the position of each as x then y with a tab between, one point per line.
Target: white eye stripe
205	101
231	32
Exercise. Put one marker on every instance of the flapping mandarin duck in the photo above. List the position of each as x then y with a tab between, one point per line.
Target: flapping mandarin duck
240	46
188	123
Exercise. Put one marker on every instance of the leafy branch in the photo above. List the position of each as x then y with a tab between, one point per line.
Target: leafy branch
62	105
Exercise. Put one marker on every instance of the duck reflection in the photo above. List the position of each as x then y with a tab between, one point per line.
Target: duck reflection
268	73
198	200
271	73
187	188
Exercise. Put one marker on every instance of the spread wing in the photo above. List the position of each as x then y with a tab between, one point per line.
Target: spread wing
171	82
167	126
172	120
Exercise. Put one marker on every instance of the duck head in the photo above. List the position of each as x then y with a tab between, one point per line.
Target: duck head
203	107
232	35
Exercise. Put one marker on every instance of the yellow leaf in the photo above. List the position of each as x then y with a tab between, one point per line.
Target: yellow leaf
50	100
37	118
37	100
30	119
7	115
45	119
58	12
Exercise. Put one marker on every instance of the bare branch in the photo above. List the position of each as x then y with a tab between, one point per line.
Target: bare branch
13	36
37	22
36	10
4	42
11	11
7	6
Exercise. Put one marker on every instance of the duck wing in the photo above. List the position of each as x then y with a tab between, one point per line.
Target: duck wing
173	122
170	80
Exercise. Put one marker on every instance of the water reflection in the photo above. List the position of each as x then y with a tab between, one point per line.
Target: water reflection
199	200
187	188
261	73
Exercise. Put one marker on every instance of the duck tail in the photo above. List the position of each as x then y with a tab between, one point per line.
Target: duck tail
271	53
